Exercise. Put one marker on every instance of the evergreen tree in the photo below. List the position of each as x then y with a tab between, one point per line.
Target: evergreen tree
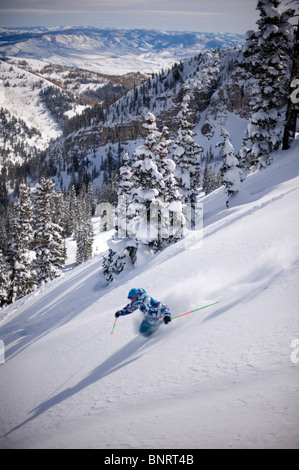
267	56
3	190
125	190
210	179
245	154
146	177
4	281
187	155
172	219
113	264
84	233
68	226
147	193
146	183
187	159
21	277
72	211
149	203
4	222
59	210
115	261
123	242
84	241
125	172
230	170
168	187
48	243
91	203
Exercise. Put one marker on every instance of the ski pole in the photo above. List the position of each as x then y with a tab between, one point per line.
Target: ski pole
200	308
113	326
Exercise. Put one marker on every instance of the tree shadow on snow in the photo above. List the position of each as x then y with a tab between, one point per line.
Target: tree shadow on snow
53	310
117	361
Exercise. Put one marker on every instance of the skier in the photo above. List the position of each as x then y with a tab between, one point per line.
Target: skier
154	312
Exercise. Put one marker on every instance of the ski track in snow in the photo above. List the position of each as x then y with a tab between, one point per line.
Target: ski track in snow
221	377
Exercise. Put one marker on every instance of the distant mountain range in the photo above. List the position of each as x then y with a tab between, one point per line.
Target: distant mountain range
111	51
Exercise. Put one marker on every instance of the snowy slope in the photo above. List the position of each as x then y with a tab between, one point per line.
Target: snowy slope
220	377
20	96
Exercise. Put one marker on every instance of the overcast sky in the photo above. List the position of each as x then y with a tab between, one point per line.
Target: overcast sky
236	16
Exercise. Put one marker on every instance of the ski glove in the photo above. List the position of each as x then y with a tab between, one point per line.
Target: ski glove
117	314
167	320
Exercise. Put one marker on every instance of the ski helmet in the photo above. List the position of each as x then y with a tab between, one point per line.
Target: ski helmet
132	293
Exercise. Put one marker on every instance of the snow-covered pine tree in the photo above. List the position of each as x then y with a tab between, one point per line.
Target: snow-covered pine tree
168	187
267	56
21	233
245	154
4	218
124	214
80	245
210	179
90	199
84	239
68	228
146	177
71	209
60	212
125	188
147	194
123	242
187	157
4	281
173	220
147	181
230	170
113	264
84	233
79	234
48	243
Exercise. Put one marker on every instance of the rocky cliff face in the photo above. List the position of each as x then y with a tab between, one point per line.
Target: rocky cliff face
122	133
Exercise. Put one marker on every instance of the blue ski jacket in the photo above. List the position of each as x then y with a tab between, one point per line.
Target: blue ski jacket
154	311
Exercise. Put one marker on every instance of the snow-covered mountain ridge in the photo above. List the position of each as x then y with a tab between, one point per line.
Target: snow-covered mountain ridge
223	377
111	51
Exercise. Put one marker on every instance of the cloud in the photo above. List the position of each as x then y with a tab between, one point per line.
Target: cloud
189	15
197	6
72	4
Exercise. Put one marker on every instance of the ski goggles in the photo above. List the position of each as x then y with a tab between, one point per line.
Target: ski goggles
133	299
